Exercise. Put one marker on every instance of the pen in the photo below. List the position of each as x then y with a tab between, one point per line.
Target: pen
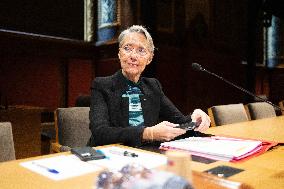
99	151
46	168
124	153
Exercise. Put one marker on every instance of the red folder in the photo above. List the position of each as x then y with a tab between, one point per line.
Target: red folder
263	147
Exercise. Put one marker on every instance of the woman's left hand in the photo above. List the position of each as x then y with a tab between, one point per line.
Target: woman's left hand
201	118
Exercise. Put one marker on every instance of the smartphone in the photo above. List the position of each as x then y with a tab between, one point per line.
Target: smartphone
187	126
87	153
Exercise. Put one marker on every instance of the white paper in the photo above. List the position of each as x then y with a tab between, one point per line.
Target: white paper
116	162
66	165
220	148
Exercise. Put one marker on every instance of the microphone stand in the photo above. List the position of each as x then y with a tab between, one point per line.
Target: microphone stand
240	88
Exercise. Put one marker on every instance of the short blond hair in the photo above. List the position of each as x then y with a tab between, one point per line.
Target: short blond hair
137	29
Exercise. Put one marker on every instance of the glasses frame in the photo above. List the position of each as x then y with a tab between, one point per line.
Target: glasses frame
132	49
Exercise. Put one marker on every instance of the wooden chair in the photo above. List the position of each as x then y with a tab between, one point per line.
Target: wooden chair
72	128
227	114
260	110
47	131
7	150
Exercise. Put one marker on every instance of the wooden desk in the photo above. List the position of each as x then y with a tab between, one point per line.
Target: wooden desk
14	176
270	129
264	171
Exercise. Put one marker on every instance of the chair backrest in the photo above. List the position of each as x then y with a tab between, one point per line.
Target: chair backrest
260	110
72	126
7	149
227	114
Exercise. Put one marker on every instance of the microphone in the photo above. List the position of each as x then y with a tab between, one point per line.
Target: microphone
198	67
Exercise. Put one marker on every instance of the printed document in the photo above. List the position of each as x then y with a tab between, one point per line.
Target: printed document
219	148
60	167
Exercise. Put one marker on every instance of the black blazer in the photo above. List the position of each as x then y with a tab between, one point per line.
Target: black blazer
109	110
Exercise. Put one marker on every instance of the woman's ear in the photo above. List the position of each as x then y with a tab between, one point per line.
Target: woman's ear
150	59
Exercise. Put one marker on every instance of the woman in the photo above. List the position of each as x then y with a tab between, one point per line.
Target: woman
129	109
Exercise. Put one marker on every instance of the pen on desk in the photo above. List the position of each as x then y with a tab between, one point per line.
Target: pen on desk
106	157
46	168
123	153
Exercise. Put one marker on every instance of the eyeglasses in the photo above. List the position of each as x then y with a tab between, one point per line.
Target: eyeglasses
128	49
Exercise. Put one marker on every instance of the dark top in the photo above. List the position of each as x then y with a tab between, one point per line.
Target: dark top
109	116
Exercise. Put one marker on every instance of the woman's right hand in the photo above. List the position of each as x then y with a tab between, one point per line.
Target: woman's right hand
164	131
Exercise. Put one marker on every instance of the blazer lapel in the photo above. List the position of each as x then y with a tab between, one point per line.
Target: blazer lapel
119	87
149	103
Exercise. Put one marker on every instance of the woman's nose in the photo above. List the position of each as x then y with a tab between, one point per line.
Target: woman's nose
134	53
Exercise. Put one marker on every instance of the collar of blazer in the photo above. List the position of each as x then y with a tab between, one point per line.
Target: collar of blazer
119	84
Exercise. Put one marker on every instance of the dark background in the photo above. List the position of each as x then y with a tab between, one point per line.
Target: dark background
61	18
224	36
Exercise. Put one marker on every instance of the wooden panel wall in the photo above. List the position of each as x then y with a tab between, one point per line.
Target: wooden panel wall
52	72
31	81
44	71
80	76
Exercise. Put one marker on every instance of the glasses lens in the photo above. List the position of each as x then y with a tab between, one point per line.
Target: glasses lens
141	51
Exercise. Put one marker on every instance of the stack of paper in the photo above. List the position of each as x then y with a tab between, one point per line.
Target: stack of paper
218	148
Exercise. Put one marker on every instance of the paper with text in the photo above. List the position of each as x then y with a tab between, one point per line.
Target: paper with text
219	148
60	167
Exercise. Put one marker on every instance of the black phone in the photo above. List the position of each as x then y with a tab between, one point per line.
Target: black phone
187	126
87	153
224	171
